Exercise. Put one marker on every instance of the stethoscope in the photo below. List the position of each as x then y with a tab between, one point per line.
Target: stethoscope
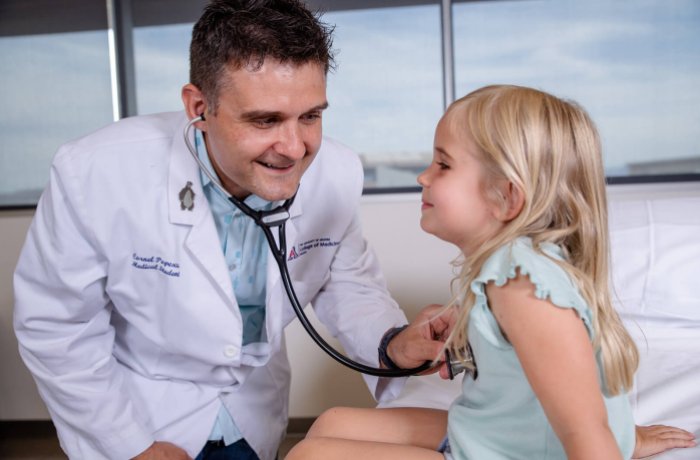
278	217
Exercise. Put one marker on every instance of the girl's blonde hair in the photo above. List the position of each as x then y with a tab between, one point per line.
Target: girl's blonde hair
549	149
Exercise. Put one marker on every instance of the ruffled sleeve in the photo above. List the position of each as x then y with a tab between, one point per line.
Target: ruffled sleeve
551	282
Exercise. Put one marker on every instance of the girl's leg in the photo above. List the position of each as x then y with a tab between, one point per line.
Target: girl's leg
347	433
417	427
346	449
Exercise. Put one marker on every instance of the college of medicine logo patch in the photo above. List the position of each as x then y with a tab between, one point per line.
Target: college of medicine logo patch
301	249
293	253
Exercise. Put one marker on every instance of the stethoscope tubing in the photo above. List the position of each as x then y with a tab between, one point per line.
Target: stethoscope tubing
278	218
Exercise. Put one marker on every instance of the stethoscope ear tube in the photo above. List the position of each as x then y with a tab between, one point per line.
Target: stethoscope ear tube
332	352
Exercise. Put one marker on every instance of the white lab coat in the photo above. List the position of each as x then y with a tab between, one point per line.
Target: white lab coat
125	313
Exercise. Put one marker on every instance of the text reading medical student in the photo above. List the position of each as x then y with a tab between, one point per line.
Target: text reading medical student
146	308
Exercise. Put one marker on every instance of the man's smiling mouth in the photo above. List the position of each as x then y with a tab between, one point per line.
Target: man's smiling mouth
276	167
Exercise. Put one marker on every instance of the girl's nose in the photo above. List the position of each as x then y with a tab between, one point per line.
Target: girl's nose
422	178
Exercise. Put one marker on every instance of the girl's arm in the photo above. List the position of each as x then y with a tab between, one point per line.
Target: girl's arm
558	359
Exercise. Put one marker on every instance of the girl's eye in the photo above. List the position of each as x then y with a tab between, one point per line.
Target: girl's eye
443	165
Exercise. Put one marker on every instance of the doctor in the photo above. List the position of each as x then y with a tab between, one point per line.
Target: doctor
146	307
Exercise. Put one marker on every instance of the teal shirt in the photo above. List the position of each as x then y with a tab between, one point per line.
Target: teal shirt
245	251
498	416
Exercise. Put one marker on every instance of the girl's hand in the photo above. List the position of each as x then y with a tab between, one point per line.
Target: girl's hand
654	439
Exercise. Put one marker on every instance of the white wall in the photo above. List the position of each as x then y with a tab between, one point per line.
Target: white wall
416	265
417	268
18	397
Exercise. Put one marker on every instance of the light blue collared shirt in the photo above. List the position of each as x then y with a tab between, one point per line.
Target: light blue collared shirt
245	250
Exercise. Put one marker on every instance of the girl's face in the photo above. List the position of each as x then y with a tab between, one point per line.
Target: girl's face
454	205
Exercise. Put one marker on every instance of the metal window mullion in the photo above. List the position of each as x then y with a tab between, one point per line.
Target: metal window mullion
448	78
121	52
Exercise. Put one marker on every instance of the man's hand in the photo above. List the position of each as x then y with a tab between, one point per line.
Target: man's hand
423	339
651	440
163	451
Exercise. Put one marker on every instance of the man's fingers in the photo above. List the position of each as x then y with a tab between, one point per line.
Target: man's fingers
411	349
442	321
428	350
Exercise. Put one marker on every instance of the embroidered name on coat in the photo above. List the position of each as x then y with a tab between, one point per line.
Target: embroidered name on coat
155	263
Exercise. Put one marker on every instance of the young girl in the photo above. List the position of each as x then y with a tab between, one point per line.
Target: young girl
517	184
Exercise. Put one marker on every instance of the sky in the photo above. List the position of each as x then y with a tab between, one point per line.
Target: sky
633	64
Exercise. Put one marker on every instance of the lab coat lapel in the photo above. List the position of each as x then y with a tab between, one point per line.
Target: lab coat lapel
183	171
202	237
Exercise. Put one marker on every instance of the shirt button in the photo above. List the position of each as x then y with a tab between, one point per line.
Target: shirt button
230	351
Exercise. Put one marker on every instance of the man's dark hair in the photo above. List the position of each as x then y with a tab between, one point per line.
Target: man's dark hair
237	33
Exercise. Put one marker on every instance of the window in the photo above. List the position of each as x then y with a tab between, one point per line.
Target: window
161	55
386	95
55	86
634	65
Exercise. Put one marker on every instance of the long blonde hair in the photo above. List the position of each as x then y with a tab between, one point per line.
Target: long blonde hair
550	150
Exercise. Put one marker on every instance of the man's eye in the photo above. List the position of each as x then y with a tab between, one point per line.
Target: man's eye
311	117
265	122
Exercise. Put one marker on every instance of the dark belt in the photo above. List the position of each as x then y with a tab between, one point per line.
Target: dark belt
218	450
217	443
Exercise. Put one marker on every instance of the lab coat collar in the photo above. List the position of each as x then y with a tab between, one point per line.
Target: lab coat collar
184	170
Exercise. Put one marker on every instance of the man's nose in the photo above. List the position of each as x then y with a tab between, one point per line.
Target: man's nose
291	141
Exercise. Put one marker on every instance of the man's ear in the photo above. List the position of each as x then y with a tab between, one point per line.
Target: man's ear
513	202
195	103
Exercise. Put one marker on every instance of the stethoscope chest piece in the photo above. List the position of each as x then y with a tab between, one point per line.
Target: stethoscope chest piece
456	366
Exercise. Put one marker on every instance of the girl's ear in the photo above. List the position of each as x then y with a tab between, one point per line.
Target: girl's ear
513	202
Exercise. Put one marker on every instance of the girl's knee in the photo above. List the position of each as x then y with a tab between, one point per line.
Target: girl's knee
306	449
331	422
